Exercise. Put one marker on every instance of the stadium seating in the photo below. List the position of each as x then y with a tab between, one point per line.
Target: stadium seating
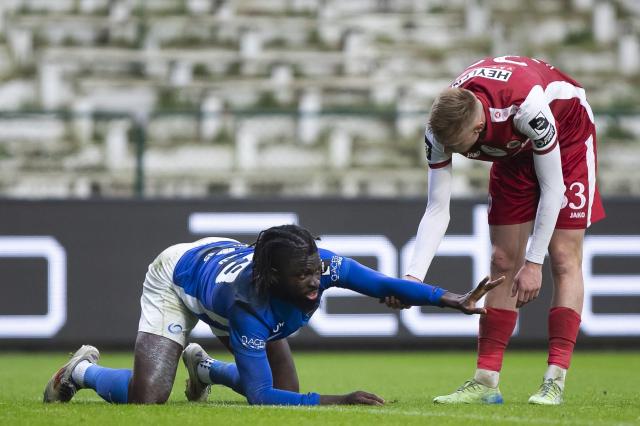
280	97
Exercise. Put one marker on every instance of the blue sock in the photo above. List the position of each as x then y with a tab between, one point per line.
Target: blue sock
225	373
111	384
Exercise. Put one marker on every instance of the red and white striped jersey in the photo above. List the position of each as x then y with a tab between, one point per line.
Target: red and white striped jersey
529	107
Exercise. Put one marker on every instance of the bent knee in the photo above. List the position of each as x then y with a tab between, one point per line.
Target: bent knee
148	392
565	260
565	264
502	262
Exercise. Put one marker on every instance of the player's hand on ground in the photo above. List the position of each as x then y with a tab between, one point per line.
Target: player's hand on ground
362	398
527	283
353	398
466	303
395	303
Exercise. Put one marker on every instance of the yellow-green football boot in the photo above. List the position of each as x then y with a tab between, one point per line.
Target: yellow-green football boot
471	392
550	393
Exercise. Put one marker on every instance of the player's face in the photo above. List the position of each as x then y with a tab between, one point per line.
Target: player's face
300	280
469	136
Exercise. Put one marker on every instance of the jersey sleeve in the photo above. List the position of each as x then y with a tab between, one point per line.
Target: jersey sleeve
248	336
434	222
535	120
436	157
363	280
549	173
333	268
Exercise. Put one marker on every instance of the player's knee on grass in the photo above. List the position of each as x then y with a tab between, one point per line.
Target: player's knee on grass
148	391
154	369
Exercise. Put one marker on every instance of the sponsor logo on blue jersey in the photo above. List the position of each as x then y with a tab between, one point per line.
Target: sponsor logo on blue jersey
336	262
252	343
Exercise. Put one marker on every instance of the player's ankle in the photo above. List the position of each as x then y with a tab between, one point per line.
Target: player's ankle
488	378
78	373
556	373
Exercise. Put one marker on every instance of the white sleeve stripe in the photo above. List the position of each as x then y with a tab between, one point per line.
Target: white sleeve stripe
591	175
564	90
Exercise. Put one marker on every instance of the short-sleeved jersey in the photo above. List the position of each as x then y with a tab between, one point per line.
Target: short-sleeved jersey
530	106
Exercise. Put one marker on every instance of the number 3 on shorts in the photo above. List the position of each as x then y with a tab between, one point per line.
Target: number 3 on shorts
577	188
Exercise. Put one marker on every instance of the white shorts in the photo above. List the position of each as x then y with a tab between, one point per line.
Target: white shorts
163	312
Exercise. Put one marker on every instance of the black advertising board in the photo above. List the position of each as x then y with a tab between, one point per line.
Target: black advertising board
71	271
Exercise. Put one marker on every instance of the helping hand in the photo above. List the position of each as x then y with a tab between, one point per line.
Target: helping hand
395	303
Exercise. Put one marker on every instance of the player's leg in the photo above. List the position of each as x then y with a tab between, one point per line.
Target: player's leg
497	325
581	208
513	195
151	380
565	252
164	324
509	243
154	369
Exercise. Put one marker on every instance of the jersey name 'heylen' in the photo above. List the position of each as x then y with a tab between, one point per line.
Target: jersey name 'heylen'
492	73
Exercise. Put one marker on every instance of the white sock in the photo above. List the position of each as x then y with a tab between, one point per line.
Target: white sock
556	373
77	375
203	371
487	377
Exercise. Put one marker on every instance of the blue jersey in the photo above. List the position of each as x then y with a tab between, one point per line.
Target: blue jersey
215	281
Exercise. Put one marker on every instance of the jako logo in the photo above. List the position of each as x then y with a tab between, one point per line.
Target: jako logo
174	328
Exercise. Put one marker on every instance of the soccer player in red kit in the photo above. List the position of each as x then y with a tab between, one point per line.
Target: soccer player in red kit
534	123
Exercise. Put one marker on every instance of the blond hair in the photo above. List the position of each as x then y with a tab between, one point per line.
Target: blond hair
451	112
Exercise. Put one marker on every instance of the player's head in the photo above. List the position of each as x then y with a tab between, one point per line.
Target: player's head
286	263
457	119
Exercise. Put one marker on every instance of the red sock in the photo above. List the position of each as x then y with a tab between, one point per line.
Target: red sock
496	328
564	324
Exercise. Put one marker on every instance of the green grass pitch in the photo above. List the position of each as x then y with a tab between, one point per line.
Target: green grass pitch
602	389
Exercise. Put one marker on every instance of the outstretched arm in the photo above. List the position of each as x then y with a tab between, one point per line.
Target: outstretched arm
361	279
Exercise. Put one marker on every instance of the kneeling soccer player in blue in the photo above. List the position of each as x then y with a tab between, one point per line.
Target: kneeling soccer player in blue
252	297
